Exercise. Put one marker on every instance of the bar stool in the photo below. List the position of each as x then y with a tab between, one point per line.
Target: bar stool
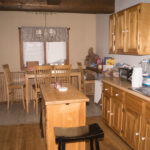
82	133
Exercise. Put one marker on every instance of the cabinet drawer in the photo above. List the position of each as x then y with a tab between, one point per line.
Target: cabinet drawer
134	103
106	88
117	93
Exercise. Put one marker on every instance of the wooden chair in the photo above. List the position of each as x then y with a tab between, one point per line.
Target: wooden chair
88	84
31	65
11	86
75	134
42	76
62	73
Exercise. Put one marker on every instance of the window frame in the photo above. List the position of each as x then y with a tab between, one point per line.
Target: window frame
23	68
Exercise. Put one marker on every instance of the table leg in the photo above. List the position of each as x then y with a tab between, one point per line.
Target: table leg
79	81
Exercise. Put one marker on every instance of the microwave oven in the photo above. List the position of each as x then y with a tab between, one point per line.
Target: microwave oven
125	73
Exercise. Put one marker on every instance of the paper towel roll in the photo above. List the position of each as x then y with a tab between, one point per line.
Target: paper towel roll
137	77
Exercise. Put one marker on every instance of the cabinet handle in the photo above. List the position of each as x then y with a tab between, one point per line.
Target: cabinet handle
106	89
116	94
123	31
111	114
143	138
136	133
108	111
112	33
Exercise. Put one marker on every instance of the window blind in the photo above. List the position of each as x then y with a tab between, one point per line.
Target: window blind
33	51
55	53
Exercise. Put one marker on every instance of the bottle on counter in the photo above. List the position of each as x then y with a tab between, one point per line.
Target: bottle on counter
99	64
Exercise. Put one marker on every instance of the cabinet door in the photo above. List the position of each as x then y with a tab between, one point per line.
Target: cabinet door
131	30
112	34
144	28
146	139
120	32
106	108
131	127
116	115
145	130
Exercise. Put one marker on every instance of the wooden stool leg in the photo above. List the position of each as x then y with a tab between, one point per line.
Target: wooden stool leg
63	145
91	144
97	144
59	146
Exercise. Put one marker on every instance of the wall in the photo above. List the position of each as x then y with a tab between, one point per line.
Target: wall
82	33
102	32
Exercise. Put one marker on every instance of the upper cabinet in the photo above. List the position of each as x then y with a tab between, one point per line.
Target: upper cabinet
130	31
112	32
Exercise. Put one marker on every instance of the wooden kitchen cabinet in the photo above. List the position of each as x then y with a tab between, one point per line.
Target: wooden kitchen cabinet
112	33
116	110
128	115
132	114
106	108
120	34
106	101
145	135
132	28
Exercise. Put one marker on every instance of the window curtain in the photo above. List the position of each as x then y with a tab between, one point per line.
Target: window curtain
39	34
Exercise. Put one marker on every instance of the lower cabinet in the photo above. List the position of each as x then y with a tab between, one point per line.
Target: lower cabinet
128	115
132	115
145	136
131	127
106	108
116	115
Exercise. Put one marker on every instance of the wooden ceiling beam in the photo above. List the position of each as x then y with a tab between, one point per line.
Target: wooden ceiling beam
73	6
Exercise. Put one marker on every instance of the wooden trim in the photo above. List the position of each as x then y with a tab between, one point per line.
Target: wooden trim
45	61
73	6
21	50
67	47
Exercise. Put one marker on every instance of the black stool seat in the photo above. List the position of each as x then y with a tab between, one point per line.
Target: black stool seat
88	132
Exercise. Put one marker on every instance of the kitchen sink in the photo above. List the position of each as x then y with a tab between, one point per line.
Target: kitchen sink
143	90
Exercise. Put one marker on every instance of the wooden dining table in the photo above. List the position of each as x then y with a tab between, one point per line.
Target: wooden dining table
62	109
30	75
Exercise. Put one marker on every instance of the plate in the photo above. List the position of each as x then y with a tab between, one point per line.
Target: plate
63	89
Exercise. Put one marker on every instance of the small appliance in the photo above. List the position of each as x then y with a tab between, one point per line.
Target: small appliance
125	73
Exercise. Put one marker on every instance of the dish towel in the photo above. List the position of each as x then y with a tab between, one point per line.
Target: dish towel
98	91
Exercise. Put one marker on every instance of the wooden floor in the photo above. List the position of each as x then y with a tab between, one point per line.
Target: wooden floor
27	137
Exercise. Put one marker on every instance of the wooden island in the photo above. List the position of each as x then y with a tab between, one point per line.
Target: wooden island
62	109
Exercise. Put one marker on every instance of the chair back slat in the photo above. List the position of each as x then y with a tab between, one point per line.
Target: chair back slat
7	74
62	73
80	67
42	75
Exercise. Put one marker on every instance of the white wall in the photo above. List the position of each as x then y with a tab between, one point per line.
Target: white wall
102	34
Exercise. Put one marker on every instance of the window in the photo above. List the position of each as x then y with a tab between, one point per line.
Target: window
47	46
55	52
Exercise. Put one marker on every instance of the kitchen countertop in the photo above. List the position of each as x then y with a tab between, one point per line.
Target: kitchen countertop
124	85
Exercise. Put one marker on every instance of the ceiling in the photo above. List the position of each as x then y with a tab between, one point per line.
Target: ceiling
73	6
